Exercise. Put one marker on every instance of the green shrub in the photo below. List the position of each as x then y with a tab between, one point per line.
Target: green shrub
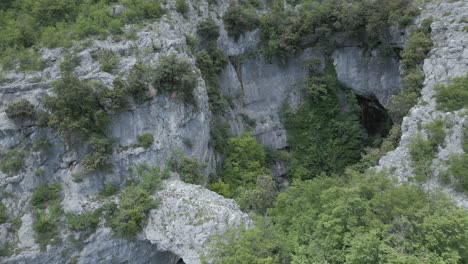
211	63
99	156
76	109
11	161
454	96
3	213
359	219
45	195
175	75
220	188
190	170
417	48
208	30
137	82
322	137
131	216
108	59
260	198
456	175
145	140
237	21
182	7
21	110
419	44
108	190
422	153
45	226
245	161
85	222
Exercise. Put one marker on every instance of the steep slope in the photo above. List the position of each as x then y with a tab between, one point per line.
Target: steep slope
448	59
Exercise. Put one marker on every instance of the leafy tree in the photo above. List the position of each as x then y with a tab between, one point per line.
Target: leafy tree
208	30
99	156
323	137
364	218
21	110
76	109
175	75
237	21
245	161
145	140
11	161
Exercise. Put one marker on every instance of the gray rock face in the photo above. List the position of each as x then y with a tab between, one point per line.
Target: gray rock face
188	216
448	59
369	73
261	89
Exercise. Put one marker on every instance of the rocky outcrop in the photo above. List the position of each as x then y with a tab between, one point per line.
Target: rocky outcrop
188	216
370	73
448	59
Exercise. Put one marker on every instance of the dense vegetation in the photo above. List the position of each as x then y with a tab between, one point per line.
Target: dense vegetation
323	137
131	215
454	96
284	30
354	219
27	25
47	212
418	46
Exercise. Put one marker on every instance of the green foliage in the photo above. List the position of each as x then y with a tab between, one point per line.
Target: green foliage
208	30
3	213
108	59
29	24
108	190
457	173
46	224
135	202
76	109
323	138
373	155
221	188
454	96
245	161
145	140
423	151
211	63
238	20
45	195
11	161
361	219
189	169
285	29
175	75
99	156
131	216
418	46
260	198
21	110
85	222
182	7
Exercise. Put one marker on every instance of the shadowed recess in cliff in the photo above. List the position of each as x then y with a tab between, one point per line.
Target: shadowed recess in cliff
374	117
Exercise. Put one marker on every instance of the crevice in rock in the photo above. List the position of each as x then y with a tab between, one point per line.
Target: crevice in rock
180	261
374	117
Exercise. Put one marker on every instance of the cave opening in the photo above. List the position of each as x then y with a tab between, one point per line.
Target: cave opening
180	261
374	117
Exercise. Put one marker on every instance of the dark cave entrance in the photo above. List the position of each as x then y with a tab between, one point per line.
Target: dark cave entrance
180	261
374	117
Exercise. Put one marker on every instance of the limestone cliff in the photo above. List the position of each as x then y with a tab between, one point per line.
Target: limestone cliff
259	89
